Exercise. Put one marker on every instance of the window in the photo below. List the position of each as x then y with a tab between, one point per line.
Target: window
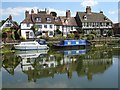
85	17
51	26
8	25
50	33
71	28
48	19
28	25
38	19
40	26
57	27
45	26
31	34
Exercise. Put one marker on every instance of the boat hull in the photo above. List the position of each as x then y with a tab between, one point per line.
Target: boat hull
18	47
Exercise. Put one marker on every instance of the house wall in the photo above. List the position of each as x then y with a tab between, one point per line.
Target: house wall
46	28
24	26
7	24
23	33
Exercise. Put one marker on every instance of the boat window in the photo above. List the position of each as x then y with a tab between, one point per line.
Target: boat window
42	42
69	43
77	42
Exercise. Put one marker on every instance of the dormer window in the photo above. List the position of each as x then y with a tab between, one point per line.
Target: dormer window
105	18
48	19
38	19
85	17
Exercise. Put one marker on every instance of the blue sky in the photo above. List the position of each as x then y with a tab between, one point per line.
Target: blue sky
17	9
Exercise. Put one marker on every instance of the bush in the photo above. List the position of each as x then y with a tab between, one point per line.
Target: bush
90	36
93	32
71	35
58	31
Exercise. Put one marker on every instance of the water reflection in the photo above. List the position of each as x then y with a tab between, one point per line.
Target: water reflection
42	64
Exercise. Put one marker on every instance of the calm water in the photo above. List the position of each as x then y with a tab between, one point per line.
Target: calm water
61	69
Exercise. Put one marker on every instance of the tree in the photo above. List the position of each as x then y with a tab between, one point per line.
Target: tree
2	22
58	31
4	36
35	28
109	33
80	31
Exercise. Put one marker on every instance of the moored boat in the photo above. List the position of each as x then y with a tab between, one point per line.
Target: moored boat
32	45
72	43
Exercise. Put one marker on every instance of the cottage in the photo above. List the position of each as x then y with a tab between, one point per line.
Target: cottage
92	21
42	22
69	24
8	29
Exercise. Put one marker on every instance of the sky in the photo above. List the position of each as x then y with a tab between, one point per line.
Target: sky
17	9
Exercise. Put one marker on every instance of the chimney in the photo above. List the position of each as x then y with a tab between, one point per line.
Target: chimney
68	14
88	9
26	13
10	17
32	11
37	10
101	12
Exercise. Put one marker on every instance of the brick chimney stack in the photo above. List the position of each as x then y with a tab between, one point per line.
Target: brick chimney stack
88	9
32	11
68	14
26	13
10	17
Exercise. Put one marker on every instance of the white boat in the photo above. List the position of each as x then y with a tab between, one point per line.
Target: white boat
30	53
32	45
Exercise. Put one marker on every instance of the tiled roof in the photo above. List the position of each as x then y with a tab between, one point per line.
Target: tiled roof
93	17
68	21
28	19
116	25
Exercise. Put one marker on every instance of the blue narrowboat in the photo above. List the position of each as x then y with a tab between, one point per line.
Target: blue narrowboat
72	43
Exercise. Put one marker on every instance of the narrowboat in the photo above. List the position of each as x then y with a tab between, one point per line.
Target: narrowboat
72	43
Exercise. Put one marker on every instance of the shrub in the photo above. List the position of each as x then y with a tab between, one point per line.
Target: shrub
71	35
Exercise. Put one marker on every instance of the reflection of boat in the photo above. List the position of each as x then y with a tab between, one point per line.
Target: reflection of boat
32	45
72	43
74	52
31	53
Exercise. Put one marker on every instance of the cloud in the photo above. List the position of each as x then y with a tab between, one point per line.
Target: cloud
113	12
20	10
85	3
61	12
15	11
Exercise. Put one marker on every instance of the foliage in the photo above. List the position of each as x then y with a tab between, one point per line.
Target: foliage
2	22
6	30
90	36
109	33
35	28
71	35
80	31
58	31
93	32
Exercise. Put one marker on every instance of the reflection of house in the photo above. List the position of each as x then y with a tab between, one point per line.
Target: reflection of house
92	21
116	28
59	63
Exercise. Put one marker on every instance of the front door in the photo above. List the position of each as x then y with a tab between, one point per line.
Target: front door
27	35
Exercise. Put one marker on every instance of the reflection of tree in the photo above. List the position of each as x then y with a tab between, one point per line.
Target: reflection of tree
10	62
85	65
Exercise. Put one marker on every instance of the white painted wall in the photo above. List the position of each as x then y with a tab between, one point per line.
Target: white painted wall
23	33
4	25
24	26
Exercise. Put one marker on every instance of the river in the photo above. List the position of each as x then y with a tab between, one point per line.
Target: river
61	69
